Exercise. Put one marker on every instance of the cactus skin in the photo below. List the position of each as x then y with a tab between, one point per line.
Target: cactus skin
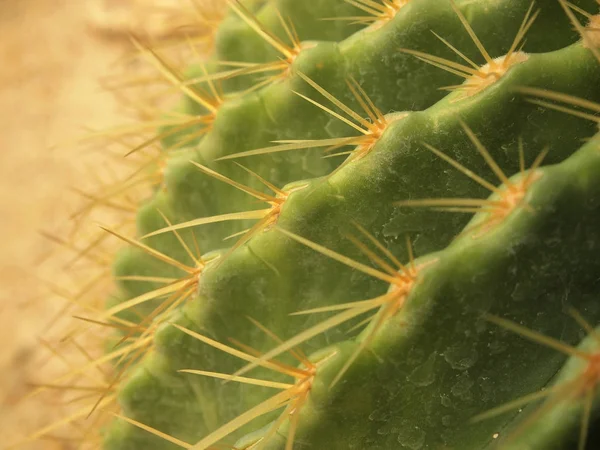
436	363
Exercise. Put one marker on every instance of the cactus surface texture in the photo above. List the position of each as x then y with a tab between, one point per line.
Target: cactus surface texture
377	227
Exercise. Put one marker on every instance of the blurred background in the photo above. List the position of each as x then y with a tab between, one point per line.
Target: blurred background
55	57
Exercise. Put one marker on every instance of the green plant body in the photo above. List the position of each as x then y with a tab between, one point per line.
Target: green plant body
382	233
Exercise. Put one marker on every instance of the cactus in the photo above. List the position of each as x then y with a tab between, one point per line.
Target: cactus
430	222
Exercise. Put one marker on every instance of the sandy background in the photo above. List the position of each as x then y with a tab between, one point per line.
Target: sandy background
53	55
51	59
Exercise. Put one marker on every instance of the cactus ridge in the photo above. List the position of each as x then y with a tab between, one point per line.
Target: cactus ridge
353	311
519	76
578	378
563	177
415	230
377	14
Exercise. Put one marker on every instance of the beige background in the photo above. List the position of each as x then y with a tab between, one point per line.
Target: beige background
50	62
53	53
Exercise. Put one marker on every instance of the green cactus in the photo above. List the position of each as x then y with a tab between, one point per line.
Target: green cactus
360	306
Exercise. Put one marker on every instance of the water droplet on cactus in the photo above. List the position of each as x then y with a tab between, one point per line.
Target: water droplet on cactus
424	374
445	400
463	386
448	420
460	357
411	437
